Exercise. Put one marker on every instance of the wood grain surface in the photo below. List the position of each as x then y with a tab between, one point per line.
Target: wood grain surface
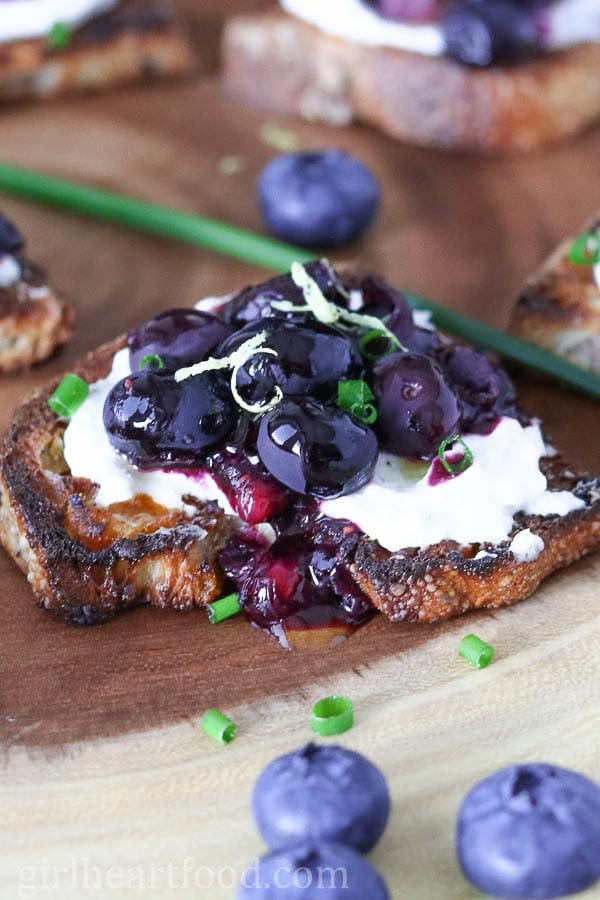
101	756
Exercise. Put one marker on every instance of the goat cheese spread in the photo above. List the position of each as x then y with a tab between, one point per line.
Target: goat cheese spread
398	507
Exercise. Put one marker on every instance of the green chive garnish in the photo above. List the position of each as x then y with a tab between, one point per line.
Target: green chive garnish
466	460
332	715
585	250
476	651
217	726
223	609
59	37
68	396
355	397
369	338
152	360
268	253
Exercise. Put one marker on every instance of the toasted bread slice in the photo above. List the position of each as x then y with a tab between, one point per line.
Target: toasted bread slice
282	65
137	39
34	321
559	307
87	562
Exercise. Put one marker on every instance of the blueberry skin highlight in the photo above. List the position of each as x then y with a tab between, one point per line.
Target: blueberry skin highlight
531	831
323	199
321	793
311	872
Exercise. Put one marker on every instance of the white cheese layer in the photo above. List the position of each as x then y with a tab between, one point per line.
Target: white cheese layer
89	454
352	20
526	546
20	19
476	506
399	507
565	23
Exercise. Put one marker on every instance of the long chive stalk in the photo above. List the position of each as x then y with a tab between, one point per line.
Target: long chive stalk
240	244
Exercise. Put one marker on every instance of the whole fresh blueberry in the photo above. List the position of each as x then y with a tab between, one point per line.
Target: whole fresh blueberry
313	872
320	199
531	831
483	32
11	240
321	793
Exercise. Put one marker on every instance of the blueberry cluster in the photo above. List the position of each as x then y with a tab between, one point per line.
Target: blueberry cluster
277	428
425	389
531	831
477	32
319	809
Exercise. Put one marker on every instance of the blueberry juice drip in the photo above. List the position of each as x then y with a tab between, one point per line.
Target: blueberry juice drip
299	587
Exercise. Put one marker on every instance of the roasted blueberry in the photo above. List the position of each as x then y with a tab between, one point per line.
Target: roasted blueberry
485	391
255	302
152	420
483	32
310	358
417	408
321	199
531	831
254	494
313	872
316	449
276	587
321	793
11	240
180	337
407	10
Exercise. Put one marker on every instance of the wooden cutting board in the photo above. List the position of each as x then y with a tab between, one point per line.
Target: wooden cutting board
106	780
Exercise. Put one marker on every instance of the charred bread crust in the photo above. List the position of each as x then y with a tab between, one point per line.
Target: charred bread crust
138	39
559	307
280	64
34	321
53	531
445	579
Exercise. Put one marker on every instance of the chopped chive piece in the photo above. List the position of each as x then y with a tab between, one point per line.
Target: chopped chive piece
217	726
476	651
332	715
224	608
355	397
282	139
153	359
466	460
59	37
69	396
369	338
585	250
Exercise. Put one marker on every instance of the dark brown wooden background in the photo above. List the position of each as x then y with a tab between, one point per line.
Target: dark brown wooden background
465	231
